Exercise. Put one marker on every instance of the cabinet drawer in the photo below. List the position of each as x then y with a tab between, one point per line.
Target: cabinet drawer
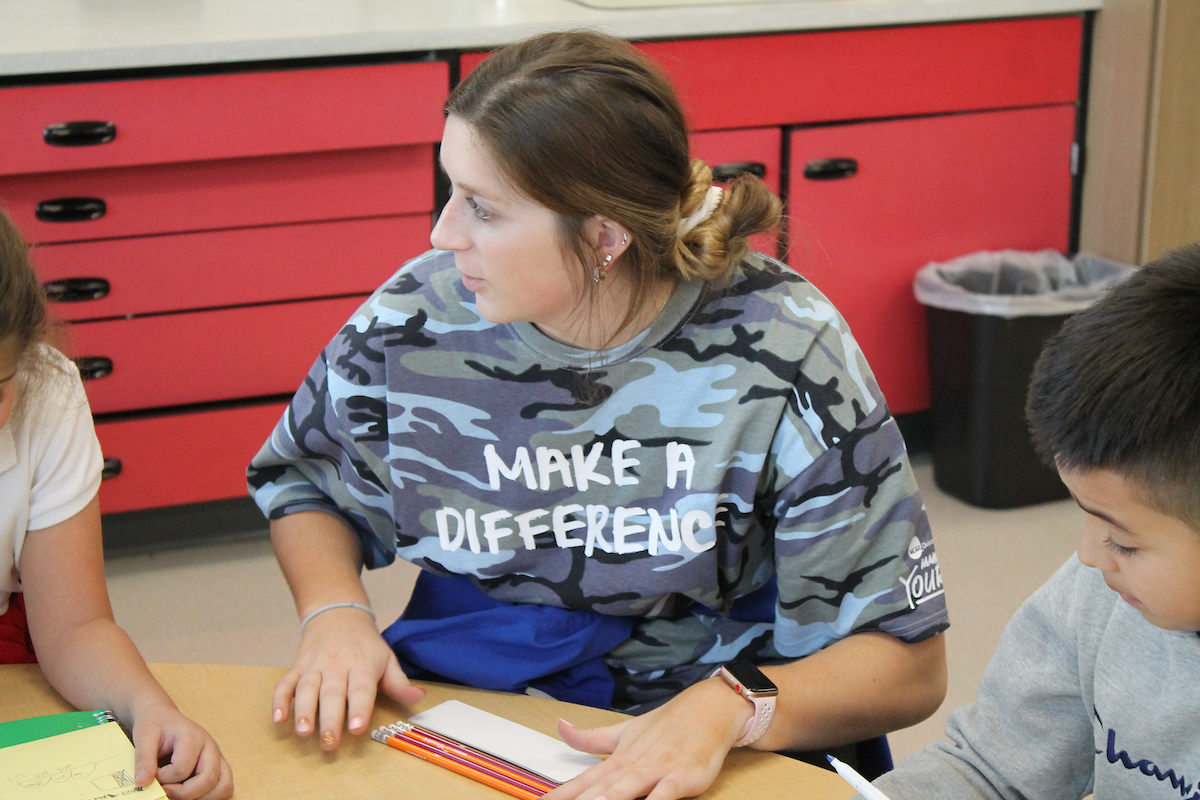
783	79
182	458
925	190
179	359
756	148
208	195
153	274
223	116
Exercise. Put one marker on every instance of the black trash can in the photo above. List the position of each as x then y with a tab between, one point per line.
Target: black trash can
988	316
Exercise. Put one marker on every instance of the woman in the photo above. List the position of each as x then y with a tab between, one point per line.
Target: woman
624	451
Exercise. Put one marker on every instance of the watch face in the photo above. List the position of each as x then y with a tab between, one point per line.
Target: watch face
751	677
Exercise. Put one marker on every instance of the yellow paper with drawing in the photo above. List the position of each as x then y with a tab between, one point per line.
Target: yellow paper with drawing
86	764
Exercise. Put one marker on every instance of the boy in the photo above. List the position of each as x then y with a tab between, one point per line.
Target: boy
1095	686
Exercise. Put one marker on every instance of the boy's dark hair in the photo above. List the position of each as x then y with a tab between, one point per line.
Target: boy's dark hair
1118	387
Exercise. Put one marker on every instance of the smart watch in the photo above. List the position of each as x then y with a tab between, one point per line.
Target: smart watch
748	681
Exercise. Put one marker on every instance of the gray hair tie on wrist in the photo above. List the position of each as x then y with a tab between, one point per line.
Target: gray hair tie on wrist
332	606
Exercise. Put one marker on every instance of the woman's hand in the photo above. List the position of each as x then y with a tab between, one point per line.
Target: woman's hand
674	751
194	768
855	689
341	662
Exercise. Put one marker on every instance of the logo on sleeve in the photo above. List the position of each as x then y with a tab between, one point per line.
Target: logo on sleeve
916	548
924	582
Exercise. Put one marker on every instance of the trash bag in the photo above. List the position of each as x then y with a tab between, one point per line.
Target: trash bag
1014	283
989	314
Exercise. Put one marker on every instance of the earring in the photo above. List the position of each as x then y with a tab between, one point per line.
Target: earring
599	274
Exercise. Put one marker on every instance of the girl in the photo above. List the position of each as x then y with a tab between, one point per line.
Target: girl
53	594
635	461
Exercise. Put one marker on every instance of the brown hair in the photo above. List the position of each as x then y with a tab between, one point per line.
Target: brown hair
23	316
584	124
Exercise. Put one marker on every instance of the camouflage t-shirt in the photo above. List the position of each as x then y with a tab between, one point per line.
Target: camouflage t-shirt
740	440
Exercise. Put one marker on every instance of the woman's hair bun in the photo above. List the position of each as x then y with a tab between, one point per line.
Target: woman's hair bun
711	248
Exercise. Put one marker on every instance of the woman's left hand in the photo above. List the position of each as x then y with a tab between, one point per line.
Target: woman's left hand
674	751
854	689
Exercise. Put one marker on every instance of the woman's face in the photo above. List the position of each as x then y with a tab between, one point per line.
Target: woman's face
506	246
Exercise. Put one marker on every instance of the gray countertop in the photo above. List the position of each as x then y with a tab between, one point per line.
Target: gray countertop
53	36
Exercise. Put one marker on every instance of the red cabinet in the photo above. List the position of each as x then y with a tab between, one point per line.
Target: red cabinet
925	189
285	262
872	73
960	137
171	459
205	356
200	118
213	195
206	236
213	231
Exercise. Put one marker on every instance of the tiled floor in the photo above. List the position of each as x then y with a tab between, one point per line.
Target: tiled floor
229	603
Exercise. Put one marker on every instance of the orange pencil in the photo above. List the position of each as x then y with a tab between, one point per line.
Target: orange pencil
467	770
475	758
465	751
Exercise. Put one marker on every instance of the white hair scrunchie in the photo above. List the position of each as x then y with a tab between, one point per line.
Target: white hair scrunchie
712	199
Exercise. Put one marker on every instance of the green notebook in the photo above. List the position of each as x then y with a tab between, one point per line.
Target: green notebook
20	731
72	756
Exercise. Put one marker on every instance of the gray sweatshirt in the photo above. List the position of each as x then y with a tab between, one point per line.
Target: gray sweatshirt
1083	695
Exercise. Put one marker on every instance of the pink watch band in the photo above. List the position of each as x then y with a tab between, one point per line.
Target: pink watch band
764	708
756	726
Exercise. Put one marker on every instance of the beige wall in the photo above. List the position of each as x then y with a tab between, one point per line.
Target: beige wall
1141	189
1171	212
1118	104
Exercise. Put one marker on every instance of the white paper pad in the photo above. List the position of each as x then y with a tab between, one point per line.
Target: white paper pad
522	746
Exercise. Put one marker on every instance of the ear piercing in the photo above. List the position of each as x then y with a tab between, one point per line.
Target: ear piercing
599	274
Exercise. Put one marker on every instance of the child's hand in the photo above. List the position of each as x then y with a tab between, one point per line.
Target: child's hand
193	767
341	663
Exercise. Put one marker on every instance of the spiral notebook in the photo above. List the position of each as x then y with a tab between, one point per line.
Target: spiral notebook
79	755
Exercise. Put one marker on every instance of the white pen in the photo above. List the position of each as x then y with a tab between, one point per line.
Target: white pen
861	784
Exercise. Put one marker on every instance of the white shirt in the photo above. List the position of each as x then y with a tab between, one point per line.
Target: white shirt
50	464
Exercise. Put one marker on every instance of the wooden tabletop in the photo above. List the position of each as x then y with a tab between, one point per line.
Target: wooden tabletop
269	761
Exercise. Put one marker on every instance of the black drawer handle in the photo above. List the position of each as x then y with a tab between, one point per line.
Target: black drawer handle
831	169
76	290
81	133
71	209
724	173
111	468
94	367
